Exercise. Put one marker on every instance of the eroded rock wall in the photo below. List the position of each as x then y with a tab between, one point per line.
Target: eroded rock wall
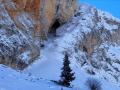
39	14
24	21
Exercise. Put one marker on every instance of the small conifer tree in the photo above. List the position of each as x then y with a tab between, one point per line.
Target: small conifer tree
66	76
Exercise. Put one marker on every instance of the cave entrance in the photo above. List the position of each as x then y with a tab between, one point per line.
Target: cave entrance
85	49
54	27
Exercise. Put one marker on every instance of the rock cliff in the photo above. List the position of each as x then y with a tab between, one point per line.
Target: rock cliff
92	40
22	22
38	15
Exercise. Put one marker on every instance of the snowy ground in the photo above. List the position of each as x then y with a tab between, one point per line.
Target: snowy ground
38	75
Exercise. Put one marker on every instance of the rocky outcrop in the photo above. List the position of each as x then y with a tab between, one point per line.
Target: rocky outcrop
92	39
24	23
100	46
17	49
38	15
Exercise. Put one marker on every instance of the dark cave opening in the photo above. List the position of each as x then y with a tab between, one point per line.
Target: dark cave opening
85	49
54	27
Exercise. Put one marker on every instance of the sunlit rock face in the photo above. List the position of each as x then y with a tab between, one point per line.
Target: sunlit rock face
22	21
39	14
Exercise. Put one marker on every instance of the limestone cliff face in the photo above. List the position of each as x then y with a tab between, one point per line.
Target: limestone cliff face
38	15
23	22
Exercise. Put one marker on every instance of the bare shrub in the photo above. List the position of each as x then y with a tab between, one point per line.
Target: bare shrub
93	84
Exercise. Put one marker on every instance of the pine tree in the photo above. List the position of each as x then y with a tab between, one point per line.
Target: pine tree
66	76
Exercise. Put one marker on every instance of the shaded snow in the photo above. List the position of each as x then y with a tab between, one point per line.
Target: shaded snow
25	57
114	52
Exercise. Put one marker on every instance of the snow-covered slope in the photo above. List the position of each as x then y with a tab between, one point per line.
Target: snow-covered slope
91	38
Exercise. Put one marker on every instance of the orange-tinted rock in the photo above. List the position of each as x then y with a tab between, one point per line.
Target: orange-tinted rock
41	13
21	19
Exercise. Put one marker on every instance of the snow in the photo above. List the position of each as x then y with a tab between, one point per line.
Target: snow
6	19
106	5
109	27
38	75
47	66
25	20
114	52
25	57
